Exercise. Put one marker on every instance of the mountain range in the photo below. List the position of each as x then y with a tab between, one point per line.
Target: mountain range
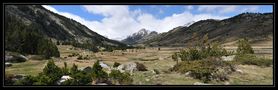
139	37
55	26
257	27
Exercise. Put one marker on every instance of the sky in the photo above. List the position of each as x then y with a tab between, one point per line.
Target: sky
118	21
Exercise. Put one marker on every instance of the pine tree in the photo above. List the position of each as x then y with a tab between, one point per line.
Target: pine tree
98	73
74	69
53	72
244	47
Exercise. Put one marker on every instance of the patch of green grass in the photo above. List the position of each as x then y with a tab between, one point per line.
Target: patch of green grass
28	67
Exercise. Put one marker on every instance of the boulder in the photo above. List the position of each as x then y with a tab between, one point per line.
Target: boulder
188	73
121	68
63	79
131	67
103	65
8	64
228	58
135	66
15	58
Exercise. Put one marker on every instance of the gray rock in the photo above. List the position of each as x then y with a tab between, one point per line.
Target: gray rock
8	64
147	79
15	58
121	68
155	71
63	79
228	58
131	67
226	83
239	71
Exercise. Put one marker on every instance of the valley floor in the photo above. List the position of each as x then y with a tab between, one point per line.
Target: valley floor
152	58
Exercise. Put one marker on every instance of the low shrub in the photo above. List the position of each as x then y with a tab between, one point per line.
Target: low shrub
116	64
121	78
250	59
197	53
206	70
141	67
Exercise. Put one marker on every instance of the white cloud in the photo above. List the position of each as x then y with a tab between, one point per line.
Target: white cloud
218	8
189	7
252	8
223	9
170	22
119	21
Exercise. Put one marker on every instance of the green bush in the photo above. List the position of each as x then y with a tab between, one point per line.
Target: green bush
121	78
250	59
97	73
198	53
80	78
206	70
53	72
74	69
65	69
28	80
244	47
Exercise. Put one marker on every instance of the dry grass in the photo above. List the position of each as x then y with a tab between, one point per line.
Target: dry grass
151	58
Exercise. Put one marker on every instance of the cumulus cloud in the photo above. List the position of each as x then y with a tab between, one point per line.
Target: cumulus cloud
217	8
189	7
170	22
223	9
119	21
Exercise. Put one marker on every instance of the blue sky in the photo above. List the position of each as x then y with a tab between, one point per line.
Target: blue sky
119	21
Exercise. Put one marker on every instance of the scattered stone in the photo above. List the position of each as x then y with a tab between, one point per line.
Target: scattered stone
188	73
155	71
101	84
226	83
103	65
228	58
239	71
147	79
199	83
